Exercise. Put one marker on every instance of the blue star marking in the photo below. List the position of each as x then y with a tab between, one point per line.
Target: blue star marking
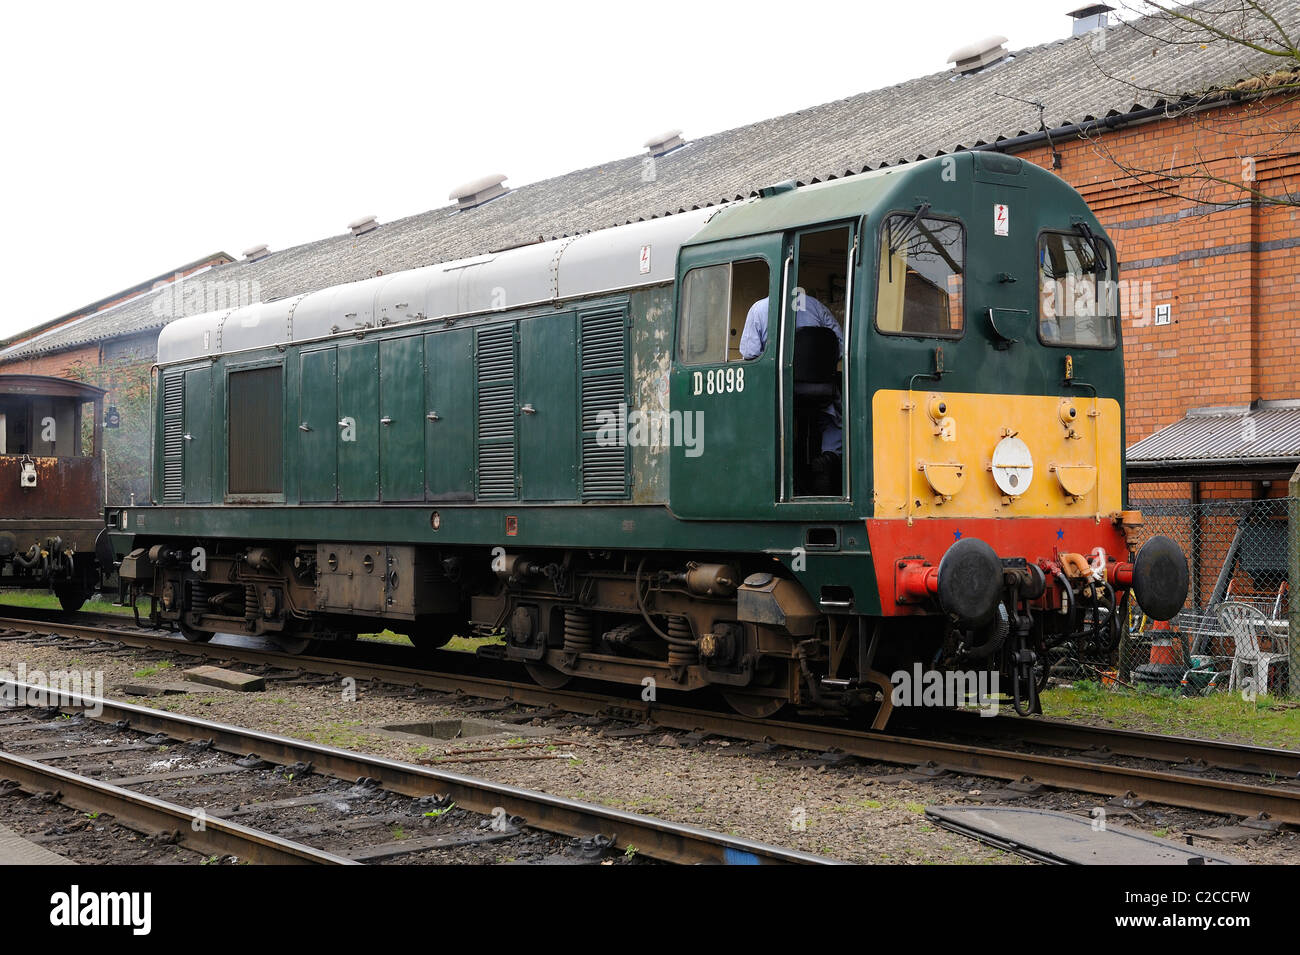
956	535
1060	534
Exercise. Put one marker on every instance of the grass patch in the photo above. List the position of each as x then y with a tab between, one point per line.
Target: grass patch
459	644
1265	721
339	734
44	600
151	670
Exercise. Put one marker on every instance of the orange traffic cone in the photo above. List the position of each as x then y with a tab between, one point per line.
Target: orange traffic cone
1162	647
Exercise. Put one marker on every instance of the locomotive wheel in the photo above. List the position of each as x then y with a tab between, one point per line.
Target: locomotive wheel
752	705
71	596
436	631
430	638
546	675
193	634
294	644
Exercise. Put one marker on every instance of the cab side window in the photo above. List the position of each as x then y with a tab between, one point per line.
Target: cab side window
716	299
1077	300
922	266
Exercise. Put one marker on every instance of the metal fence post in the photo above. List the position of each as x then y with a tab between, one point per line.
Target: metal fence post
1293	582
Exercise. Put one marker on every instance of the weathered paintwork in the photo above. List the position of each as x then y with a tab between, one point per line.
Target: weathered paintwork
48	529
500	456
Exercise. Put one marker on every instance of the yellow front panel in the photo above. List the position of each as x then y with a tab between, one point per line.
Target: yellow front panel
934	454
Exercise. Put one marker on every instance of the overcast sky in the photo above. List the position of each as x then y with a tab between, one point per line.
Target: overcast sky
139	137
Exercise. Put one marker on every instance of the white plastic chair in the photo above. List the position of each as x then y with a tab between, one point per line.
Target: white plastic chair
1245	624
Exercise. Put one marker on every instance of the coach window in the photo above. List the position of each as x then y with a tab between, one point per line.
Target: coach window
922	265
715	302
255	436
1077	300
47	426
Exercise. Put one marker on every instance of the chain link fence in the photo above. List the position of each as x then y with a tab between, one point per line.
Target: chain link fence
1233	633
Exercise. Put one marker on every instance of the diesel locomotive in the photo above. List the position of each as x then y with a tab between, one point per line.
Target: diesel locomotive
577	445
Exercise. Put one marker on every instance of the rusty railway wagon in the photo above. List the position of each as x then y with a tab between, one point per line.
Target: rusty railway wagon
51	485
616	451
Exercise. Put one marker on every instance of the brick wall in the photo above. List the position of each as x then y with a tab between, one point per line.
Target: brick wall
1226	265
56	364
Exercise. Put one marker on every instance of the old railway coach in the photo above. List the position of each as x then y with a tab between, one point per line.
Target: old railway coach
51	485
780	449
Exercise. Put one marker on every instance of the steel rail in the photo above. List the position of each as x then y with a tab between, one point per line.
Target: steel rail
1084	775
655	838
150	815
1218	754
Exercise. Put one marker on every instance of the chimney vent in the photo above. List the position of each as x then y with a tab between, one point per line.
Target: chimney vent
479	191
363	225
255	252
665	142
1095	16
976	56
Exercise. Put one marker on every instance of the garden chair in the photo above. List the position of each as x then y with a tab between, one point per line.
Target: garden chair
1246	624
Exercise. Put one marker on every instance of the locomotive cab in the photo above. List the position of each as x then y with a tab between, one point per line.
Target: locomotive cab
977	512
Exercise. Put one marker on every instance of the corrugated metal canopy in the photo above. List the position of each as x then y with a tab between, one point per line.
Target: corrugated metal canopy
1266	432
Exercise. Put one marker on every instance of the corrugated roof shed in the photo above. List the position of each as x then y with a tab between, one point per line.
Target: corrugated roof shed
1077	79
1265	433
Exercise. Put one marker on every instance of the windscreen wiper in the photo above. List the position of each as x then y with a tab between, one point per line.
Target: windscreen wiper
1094	242
907	229
903	236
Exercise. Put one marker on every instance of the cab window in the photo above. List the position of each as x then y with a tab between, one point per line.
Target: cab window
1077	300
716	300
922	264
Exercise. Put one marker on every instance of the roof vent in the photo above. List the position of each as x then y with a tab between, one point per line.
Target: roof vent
255	252
363	225
665	142
479	191
1095	16
976	56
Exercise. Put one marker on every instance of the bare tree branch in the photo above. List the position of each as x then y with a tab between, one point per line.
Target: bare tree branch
1260	99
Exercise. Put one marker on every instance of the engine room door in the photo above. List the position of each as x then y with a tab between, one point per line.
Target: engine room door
358	423
198	436
548	409
449	414
720	430
318	430
401	419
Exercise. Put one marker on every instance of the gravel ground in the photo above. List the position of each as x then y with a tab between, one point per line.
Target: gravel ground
843	809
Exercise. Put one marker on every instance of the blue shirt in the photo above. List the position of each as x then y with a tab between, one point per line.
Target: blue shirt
754	339
814	314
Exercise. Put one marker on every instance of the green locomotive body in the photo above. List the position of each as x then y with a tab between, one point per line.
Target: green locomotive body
574	443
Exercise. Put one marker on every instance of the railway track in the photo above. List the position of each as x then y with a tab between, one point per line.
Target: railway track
157	817
1180	779
504	810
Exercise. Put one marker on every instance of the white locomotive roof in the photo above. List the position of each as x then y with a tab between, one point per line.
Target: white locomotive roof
604	261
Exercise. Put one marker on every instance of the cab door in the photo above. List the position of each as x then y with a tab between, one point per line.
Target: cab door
821	265
721	424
